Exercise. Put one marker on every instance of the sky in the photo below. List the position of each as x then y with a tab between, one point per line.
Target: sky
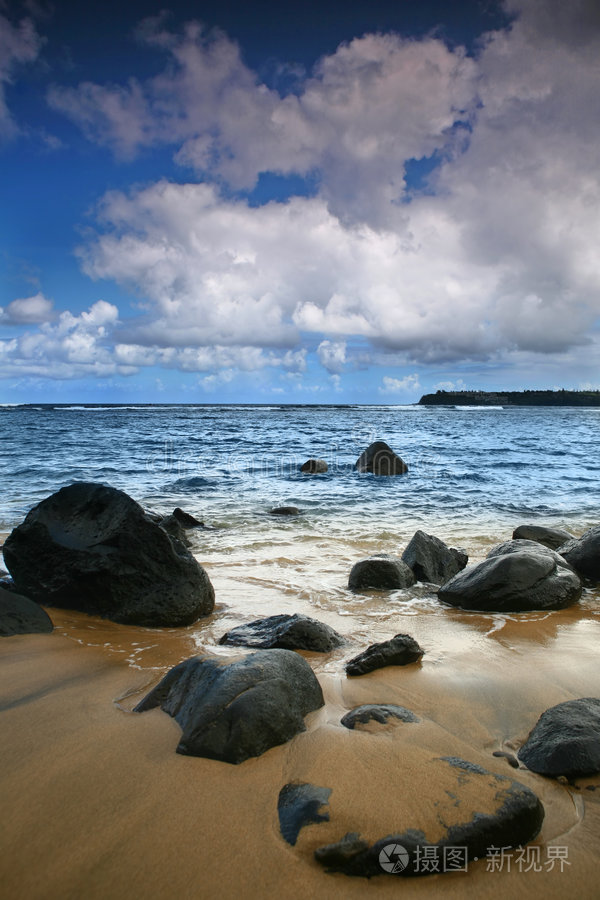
322	202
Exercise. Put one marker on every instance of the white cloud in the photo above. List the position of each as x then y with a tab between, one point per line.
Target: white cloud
19	45
407	385
27	311
332	356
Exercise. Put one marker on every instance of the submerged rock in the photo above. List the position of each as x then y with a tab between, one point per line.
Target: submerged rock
380	459
399	651
301	804
20	615
231	709
377	712
484	810
431	560
516	576
314	466
91	547
285	511
565	740
552	538
584	554
383	573
288	632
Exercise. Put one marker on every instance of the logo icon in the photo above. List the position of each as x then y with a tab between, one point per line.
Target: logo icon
393	858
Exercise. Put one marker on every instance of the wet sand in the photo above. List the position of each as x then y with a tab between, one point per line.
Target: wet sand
96	803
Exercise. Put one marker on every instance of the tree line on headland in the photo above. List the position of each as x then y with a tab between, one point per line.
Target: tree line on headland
511	398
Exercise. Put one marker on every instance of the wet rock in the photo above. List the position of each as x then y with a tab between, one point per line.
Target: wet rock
232	709
383	573
380	459
314	466
584	554
301	804
91	547
186	520
288	632
565	740
285	511
175	529
516	576
399	651
431	560
552	538
485	810
20	615
377	712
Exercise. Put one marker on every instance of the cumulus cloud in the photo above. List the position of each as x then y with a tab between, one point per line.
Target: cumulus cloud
407	385
27	311
19	44
332	356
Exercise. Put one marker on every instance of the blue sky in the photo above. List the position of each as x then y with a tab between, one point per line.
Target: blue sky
325	202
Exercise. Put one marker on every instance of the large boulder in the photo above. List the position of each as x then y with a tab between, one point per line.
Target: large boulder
398	651
431	560
584	554
380	459
549	537
314	467
475	810
91	547
382	573
287	632
565	740
20	615
231	709
517	576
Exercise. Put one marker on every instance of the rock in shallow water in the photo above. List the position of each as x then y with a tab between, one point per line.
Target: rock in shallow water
381	713
286	632
301	804
91	547
284	511
20	615
431	560
517	576
231	709
477	810
552	538
382	573
380	459
584	554
314	467
399	651
565	740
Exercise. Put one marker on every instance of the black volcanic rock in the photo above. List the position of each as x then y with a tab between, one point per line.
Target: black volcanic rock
377	712
516	576
186	520
553	538
301	804
493	811
399	651
314	466
380	459
431	560
565	740
20	615
382	573
231	709
286	632
584	554
91	547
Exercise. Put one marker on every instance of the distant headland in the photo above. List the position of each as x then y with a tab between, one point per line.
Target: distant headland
511	398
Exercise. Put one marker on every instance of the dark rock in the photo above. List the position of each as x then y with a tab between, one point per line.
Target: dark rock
287	632
285	511
92	548
510	758
187	520
380	459
584	554
175	529
399	651
431	560
300	805
382	573
20	615
314	466
565	740
505	814
231	709
377	712
549	537
516	576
